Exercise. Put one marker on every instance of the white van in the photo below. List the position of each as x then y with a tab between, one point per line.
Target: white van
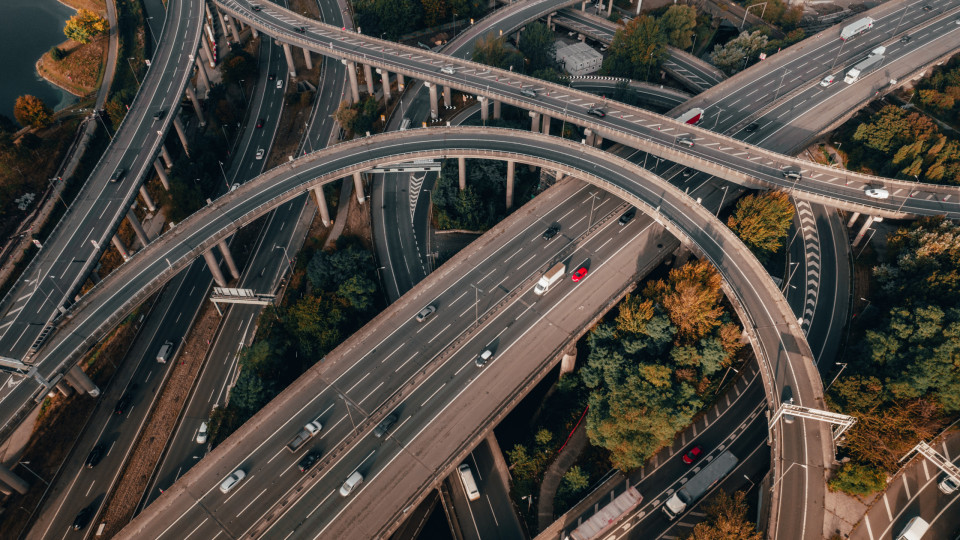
914	530
165	350
469	484
447	70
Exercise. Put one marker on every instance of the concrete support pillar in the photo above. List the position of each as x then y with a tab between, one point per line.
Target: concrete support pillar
863	230
582	37
546	125
368	77
588	136
352	73
853	219
254	33
80	382
550	20
447	97
484	109
206	9
202	77
511	166
560	176
496	110
182	133
434	111
196	104
583	6
12	480
400	82
462	167
233	29
609	7
137	228
321	205
569	361
534	121
597	140
307	58
223	24
147	199
162	173
358	186
214	268
385	81
117	243
288	54
228	258
63	388
167	160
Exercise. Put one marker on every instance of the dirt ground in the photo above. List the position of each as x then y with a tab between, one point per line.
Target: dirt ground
80	71
153	440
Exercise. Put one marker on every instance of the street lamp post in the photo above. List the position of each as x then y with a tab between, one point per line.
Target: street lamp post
476	304
777	93
762	11
286	257
133	70
225	181
785	473
347	405
837	376
722	199
593	200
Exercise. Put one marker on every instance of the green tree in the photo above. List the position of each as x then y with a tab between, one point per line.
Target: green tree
85	26
358	291
32	111
492	51
249	394
678	23
738	52
346	115
726	520
762	221
328	269
857	479
637	49
390	17
57	53
537	45
316	323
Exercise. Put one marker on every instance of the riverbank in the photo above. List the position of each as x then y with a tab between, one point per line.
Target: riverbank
80	71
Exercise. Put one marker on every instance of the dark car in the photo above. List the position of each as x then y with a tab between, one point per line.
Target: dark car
272	76
551	232
905	39
300	29
927	7
83	518
384	426
255	7
308	461
95	456
627	216
118	174
159	114
259	122
688	172
125	400
597	112
752	127
692	455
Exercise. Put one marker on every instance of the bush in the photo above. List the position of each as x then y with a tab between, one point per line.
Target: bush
57	53
856	479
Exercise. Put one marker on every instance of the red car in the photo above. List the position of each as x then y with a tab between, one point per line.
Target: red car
259	123
579	274
692	455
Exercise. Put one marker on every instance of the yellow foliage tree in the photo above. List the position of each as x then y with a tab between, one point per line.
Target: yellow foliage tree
85	26
32	111
691	296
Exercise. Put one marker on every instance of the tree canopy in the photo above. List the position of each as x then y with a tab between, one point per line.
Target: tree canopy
537	45
726	519
762	221
492	50
637	50
739	52
32	111
85	26
678	23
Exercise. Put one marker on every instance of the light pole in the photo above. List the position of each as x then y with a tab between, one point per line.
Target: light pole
722	199
476	304
785	473
900	21
286	257
225	181
133	70
716	118
837	376
777	93
104	124
242	95
725	373
842	43
347	405
764	10
593	200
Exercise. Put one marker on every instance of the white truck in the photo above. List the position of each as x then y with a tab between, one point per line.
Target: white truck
856	28
552	276
304	435
608	517
699	484
868	63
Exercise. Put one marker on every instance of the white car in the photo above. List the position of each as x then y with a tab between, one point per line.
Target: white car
279	84
202	433
828	80
232	480
876	193
260	153
947	485
351	484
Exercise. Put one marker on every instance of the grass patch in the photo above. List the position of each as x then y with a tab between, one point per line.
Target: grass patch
81	69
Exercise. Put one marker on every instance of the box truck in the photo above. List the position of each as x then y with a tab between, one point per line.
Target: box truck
552	276
699	484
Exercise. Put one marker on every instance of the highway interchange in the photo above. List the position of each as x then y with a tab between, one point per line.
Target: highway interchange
337	480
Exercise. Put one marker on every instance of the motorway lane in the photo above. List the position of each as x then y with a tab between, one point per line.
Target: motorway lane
478	519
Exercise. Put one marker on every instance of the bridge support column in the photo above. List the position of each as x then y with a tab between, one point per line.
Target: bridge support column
853	219
352	73
546	125
80	382
288	53
588	136
358	186
400	82
205	47
550	21
233	28
196	104
63	388
582	37
484	109
117	243
137	228
496	110
560	176
609	7
534	121
368	77
385	81
223	24
583	6
162	173
321	205
167	160
447	97
254	33
863	230
201	72
228	258
214	268
462	168
569	361
147	200
307	59
12	480
178	125
597	140
511	167
434	112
